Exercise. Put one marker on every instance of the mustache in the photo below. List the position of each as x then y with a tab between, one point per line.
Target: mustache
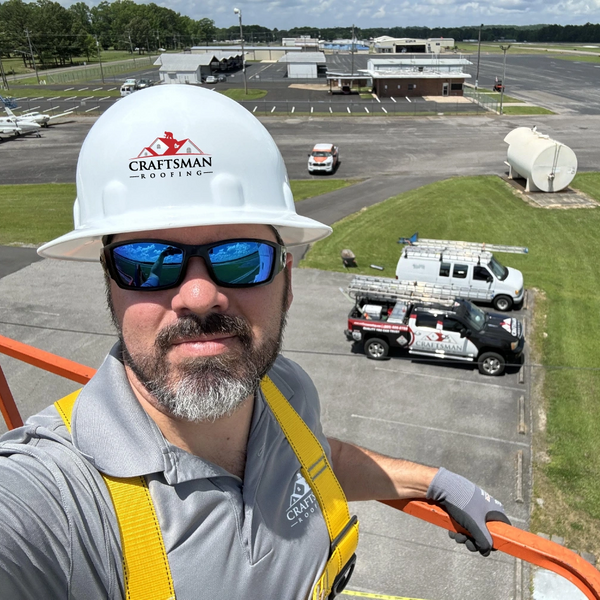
191	326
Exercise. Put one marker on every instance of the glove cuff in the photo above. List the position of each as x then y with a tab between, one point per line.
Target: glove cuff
448	487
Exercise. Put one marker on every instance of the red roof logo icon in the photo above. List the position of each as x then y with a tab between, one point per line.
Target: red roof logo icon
169	146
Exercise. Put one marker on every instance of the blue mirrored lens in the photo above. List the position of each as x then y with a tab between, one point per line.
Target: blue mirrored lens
148	264
242	262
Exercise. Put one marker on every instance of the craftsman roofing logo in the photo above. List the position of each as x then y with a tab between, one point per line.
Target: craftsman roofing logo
302	502
169	157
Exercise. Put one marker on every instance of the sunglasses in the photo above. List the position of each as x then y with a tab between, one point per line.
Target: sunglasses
151	265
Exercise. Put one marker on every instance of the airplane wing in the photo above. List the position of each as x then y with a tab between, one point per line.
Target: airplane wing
69	112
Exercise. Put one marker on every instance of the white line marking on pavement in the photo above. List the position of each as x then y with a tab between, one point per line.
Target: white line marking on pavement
273	109
411	373
83	89
293	109
393	99
408	98
383	109
366	109
111	90
69	89
449	431
254	109
91	109
348	109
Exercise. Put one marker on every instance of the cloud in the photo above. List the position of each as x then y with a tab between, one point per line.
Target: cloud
285	14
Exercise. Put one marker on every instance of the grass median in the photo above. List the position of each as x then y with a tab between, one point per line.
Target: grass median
561	264
36	213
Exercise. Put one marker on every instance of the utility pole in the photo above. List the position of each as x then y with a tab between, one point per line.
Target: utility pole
32	57
238	12
352	50
99	58
478	58
3	75
505	50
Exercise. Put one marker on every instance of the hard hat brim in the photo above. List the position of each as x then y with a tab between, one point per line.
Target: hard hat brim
86	244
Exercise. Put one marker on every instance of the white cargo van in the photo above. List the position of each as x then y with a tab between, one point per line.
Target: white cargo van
128	88
469	271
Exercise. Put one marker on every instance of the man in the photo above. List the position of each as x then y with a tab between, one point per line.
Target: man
194	426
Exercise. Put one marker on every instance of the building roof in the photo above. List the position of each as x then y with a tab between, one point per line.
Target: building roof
404	62
190	62
247	48
304	57
413	74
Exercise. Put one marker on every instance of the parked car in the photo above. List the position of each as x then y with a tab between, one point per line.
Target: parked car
128	88
454	329
221	78
144	83
211	79
324	158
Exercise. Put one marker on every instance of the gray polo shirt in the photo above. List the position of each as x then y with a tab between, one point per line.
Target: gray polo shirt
260	538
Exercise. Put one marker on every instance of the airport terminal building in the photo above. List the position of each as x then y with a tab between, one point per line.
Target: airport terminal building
415	76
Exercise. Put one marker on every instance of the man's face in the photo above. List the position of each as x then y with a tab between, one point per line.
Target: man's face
198	351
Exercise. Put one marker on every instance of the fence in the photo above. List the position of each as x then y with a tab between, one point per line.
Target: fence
483	99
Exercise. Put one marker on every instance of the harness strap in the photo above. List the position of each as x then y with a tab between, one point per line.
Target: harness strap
343	531
145	562
146	568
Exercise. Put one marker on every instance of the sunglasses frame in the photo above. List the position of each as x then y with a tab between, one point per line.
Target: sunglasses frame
190	250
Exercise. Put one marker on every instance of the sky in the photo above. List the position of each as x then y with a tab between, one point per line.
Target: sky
285	14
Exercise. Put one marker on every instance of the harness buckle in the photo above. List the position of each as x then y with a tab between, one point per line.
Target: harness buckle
341	581
343	577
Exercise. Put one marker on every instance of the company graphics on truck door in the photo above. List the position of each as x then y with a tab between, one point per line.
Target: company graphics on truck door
440	335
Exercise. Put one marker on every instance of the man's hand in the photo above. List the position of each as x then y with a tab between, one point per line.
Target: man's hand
470	506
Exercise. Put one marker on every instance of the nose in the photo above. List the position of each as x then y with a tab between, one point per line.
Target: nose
198	293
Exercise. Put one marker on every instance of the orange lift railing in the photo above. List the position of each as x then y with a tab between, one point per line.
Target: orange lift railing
511	540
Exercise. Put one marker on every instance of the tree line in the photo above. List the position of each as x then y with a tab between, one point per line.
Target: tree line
54	35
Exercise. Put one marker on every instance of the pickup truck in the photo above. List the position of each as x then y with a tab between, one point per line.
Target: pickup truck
451	329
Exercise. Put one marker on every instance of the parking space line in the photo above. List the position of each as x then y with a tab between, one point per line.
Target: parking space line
69	89
111	89
383	109
392	99
408	98
438	429
494	385
293	109
348	109
83	89
91	109
254	109
71	98
348	592
97	89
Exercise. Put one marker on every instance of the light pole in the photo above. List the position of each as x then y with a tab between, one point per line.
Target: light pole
505	50
478	58
99	58
32	57
238	12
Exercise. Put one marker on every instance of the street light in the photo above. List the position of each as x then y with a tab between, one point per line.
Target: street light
478	57
505	50
238	12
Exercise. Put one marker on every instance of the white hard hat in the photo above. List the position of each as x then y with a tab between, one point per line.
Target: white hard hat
178	156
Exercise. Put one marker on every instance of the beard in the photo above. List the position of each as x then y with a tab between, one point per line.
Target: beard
205	388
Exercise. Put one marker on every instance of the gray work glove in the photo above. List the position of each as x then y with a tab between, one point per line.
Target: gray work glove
470	506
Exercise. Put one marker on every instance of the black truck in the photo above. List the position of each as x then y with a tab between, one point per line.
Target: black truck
452	329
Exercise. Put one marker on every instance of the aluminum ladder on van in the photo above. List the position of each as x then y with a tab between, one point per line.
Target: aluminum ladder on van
458	245
452	254
384	288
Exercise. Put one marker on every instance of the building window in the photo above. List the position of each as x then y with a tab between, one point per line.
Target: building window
412	86
398	86
456	87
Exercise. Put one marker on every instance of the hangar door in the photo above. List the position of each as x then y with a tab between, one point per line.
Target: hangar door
302	71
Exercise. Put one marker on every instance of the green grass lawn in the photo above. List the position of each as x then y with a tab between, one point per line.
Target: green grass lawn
239	96
564	247
307	188
34	214
496	96
526	110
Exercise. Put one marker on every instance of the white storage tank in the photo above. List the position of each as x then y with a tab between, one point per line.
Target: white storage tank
547	165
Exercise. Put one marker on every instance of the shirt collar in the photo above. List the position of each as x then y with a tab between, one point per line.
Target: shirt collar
112	430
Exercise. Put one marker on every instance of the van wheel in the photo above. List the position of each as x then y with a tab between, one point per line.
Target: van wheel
490	363
503	303
376	348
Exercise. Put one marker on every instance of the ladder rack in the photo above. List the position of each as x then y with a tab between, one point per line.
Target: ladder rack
439	253
458	245
383	288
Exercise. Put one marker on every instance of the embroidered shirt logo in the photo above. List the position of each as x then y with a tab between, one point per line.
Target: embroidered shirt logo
169	157
302	502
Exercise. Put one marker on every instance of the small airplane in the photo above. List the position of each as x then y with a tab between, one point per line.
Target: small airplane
9	126
35	117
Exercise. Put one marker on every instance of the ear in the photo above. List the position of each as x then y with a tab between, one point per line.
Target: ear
289	259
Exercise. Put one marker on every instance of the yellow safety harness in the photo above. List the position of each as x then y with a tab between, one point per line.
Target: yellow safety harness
145	563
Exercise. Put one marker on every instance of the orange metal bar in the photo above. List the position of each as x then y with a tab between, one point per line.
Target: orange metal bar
508	539
8	408
46	360
517	543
